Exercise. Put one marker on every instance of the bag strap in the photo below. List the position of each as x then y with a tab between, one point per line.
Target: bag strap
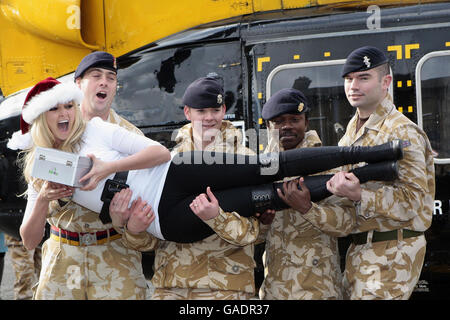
104	213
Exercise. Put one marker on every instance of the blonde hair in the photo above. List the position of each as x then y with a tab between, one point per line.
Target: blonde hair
43	137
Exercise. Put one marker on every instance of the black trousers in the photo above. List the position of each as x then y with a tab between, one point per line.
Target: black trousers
232	178
230	183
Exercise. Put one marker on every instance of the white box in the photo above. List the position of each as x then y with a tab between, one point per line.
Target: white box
59	166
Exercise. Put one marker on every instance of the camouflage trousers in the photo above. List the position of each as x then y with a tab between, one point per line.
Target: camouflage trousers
384	270
98	272
309	278
26	265
199	294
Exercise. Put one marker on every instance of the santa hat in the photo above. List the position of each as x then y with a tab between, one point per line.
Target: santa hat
45	95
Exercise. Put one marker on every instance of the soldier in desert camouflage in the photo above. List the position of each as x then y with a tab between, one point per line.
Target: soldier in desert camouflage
222	265
301	261
26	265
387	254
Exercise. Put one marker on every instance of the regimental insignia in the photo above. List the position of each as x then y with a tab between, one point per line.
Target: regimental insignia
300	107
219	99
115	63
367	61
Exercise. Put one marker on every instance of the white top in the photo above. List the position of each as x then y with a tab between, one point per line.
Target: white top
110	142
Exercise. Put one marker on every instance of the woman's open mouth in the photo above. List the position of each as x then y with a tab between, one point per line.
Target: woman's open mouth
63	125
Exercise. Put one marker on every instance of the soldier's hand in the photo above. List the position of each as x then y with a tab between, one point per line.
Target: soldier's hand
205	206
266	217
345	184
118	208
299	200
142	216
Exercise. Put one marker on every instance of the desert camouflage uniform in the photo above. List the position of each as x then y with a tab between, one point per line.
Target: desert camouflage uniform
391	269
218	267
301	261
26	265
108	271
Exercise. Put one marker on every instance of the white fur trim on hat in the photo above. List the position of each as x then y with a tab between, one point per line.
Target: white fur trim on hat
45	100
20	141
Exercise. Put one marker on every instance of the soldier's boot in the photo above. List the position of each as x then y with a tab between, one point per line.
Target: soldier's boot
266	197
305	161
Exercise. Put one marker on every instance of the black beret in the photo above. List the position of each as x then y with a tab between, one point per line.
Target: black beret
206	92
364	58
98	59
284	101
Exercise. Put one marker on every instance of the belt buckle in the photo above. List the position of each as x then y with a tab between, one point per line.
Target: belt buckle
88	238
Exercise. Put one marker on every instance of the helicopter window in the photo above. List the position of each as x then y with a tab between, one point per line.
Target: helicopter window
433	101
323	86
151	83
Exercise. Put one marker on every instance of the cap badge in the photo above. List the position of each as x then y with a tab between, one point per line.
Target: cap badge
367	61
219	99
300	107
114	63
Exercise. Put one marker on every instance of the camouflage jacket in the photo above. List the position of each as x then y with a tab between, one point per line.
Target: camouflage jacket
224	260
301	261
408	201
74	217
